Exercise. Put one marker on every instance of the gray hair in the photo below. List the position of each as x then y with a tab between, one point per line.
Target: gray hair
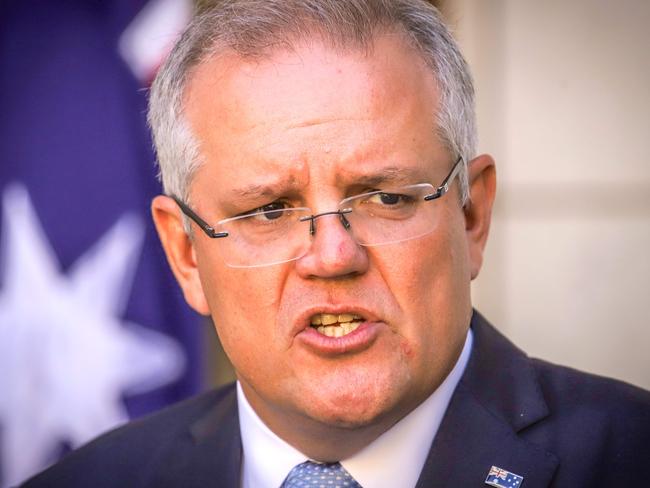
254	28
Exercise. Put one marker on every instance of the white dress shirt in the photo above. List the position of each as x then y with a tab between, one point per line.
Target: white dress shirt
267	459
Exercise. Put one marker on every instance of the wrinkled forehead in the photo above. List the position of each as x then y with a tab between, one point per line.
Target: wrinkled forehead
315	62
305	97
271	45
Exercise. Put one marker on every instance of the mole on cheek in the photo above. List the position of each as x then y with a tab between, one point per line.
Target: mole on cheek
407	350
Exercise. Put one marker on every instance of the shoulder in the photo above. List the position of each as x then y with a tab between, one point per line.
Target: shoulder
612	409
567	387
121	457
565	391
597	428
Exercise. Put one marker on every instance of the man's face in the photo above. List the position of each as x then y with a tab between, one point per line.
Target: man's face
310	127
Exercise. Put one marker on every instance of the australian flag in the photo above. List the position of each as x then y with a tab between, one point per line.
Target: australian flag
503	479
93	328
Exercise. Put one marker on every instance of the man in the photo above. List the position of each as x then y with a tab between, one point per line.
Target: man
325	206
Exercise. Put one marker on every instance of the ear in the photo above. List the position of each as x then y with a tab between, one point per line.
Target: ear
478	209
179	250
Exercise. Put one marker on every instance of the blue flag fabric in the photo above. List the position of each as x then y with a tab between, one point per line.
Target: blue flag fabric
93	328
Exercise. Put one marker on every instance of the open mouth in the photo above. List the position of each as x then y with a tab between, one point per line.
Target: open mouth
336	325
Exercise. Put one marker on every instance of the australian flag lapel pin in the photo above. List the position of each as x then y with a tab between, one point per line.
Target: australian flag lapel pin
503	479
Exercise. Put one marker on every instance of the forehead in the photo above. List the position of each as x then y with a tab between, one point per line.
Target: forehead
313	109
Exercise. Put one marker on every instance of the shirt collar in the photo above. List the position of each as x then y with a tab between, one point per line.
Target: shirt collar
267	459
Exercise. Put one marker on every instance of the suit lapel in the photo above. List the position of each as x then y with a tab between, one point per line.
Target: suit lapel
497	398
209	454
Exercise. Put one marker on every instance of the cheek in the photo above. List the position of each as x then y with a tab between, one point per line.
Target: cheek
425	272
243	305
407	350
429	279
446	262
237	293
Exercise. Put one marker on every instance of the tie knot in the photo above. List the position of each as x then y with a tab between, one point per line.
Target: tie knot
317	475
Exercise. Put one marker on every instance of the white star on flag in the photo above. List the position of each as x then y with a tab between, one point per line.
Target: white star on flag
66	357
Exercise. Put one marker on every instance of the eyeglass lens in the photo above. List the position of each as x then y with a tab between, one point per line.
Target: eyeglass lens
282	235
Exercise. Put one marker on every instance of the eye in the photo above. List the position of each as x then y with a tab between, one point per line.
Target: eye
272	206
390	199
270	211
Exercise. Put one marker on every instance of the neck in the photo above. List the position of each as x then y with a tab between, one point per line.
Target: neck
329	440
320	441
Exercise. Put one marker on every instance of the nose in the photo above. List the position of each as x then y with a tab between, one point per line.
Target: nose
333	252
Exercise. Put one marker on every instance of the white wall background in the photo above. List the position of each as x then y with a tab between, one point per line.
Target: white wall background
563	95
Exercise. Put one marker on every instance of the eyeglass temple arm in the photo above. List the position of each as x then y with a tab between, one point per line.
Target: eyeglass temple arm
444	187
205	227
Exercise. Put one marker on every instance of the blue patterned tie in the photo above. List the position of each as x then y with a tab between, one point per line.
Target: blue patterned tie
316	475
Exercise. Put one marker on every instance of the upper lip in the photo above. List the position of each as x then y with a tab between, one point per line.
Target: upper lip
303	319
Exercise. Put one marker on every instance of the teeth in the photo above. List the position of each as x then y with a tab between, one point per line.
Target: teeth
340	330
329	319
346	317
350	327
332	325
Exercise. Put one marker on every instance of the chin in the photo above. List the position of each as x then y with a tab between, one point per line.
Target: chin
355	406
348	419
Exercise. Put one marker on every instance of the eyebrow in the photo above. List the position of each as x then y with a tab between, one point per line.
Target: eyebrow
255	191
390	175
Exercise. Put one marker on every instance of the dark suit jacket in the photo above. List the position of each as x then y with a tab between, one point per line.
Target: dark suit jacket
552	425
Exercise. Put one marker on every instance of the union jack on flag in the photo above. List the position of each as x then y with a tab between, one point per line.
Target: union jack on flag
503	479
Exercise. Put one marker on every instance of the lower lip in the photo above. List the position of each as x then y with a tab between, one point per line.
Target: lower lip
356	341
